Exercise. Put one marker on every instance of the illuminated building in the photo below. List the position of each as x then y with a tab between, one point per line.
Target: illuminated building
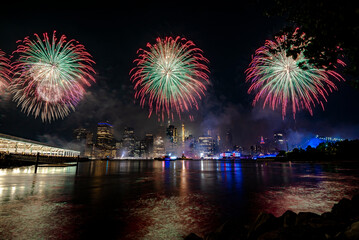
11	144
206	146
172	133
279	141
80	136
149	145
128	142
104	137
158	147
329	139
140	149
262	141
228	145
105	144
190	146
171	141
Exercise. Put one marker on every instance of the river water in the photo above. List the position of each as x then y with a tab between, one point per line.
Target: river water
143	199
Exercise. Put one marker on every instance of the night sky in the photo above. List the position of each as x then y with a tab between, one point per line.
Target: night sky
228	34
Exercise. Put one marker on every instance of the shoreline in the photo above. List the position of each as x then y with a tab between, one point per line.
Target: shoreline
16	161
341	223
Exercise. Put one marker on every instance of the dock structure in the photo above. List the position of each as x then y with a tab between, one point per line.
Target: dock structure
16	145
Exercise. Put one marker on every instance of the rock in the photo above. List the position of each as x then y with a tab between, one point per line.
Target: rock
213	236
265	222
304	218
272	235
288	218
355	203
353	231
232	229
327	215
355	199
343	209
192	236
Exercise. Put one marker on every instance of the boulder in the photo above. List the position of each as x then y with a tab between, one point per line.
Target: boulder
343	209
288	218
301	232
265	222
355	203
353	232
212	236
232	229
304	218
272	235
192	236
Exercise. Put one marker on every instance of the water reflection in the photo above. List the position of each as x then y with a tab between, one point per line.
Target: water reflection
160	200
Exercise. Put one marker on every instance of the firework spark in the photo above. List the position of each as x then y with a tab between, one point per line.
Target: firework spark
171	76
50	76
281	80
4	72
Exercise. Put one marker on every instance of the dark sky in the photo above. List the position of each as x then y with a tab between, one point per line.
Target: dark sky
228	34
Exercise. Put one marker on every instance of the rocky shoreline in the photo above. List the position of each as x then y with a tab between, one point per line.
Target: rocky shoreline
342	222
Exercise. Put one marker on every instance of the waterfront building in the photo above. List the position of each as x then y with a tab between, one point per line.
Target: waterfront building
17	145
128	142
228	144
171	141
171	133
105	142
140	149
149	145
206	145
279	141
104	136
158	147
80	136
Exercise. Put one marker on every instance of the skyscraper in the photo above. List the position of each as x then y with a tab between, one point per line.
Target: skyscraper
172	133
279	141
149	145
228	145
128	142
105	142
104	138
206	146
158	147
80	135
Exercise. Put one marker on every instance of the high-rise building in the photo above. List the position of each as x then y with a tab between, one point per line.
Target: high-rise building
104	137
171	141
105	142
149	145
172	133
80	136
89	145
228	145
140	149
158	147
206	146
128	142
279	141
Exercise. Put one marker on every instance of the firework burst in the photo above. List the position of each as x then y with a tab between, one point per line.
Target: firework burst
281	80
4	72
170	76
50	76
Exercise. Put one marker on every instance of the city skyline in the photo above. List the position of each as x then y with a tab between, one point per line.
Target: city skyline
100	143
